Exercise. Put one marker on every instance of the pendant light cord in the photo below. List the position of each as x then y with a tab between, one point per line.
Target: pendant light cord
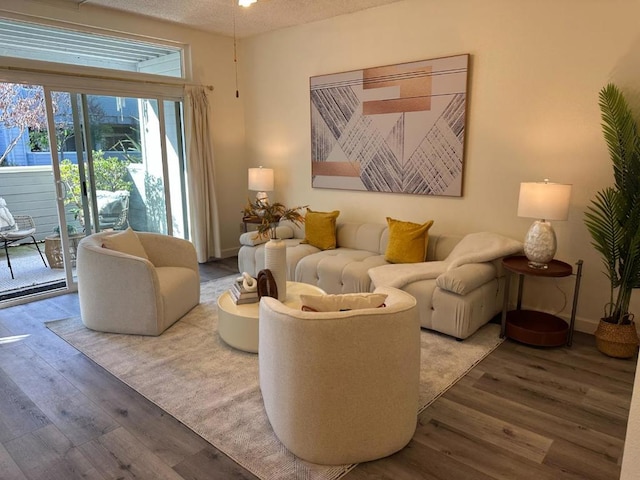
235	52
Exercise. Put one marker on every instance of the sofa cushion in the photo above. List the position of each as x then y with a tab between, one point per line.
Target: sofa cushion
320	229
125	242
466	278
372	237
341	270
254	238
339	303
407	241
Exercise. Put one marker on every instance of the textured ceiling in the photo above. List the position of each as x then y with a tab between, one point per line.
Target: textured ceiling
218	15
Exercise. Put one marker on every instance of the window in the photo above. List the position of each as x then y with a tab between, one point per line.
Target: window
54	44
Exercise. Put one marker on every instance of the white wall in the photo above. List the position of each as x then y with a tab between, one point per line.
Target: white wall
535	72
211	64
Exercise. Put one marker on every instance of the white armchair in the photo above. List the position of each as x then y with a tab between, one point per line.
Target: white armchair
341	387
124	293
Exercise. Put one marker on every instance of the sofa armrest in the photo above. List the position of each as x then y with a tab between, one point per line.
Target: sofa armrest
251	239
466	278
101	269
168	251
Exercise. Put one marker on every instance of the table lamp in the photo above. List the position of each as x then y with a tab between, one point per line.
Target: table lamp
261	181
544	201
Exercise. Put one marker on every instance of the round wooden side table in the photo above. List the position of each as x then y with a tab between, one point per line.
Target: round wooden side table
238	324
533	327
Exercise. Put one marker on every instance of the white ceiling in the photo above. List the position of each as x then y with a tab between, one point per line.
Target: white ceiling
217	16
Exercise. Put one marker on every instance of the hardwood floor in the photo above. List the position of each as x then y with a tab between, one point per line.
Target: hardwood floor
522	413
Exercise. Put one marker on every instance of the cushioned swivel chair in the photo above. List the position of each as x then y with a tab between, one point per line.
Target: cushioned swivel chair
341	387
121	292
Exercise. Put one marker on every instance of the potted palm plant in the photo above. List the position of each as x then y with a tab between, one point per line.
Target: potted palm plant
270	214
613	220
275	251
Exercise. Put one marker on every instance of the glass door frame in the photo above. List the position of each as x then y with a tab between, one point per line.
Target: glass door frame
71	285
84	148
161	92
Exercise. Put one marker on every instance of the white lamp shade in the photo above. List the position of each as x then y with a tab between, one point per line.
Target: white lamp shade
542	200
261	179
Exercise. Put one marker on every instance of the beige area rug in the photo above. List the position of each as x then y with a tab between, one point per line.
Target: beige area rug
214	389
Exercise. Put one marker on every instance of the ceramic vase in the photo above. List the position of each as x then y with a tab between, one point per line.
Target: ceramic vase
275	260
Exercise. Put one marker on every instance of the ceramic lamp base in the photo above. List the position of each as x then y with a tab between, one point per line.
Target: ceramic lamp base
540	244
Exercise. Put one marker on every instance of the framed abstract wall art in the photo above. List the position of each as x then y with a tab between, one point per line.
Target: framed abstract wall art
397	128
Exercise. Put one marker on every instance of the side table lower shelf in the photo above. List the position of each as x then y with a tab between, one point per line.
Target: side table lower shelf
530	326
537	328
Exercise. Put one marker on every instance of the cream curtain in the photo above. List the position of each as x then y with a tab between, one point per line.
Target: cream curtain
203	213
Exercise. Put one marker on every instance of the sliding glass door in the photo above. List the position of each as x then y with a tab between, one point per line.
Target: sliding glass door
114	162
120	162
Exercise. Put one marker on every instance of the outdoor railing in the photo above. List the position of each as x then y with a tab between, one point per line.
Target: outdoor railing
31	191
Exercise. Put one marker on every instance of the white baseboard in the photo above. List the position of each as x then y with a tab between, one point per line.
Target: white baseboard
588	325
230	252
585	325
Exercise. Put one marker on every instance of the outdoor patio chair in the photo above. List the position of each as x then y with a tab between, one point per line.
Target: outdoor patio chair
113	209
24	227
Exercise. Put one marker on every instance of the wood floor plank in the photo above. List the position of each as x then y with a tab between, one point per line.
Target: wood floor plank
118	454
4	333
565	389
613	404
23	319
46	454
77	417
495	462
415	461
201	466
32	332
540	396
159	432
18	414
547	424
584	463
583	354
492	430
51	348
9	469
566	374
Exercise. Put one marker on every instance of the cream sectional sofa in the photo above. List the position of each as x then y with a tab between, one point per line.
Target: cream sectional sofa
458	288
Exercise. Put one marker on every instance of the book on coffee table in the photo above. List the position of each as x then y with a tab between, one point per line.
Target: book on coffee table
241	295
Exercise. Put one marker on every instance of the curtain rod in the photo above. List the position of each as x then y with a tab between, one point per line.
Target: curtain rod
104	77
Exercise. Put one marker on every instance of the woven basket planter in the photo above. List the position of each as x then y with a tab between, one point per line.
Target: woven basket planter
619	341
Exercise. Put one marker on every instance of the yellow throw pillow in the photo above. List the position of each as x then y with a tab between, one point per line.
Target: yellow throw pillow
320	229
125	242
407	241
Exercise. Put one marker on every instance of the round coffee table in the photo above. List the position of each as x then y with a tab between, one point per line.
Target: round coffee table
238	324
